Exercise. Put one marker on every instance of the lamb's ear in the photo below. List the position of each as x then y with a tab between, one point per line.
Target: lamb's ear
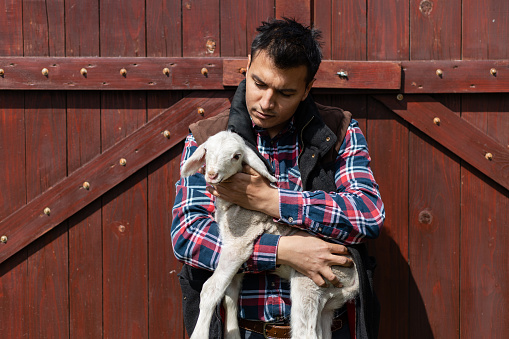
195	161
251	159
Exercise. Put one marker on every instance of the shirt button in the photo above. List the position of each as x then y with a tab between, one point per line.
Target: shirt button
320	229
313	156
327	139
290	219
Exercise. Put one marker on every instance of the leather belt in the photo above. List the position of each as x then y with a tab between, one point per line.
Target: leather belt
269	330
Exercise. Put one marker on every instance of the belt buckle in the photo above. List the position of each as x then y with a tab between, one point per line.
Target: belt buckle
264	331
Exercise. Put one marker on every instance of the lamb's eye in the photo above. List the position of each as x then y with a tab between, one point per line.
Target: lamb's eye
236	157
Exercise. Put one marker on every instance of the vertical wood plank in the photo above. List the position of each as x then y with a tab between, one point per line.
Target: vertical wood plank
164	28
388	147
388	37
322	20
435	197
124	214
300	10
435	30
44	27
233	28
433	239
484	216
200	24
84	143
485	27
48	256
259	10
85	235
349	30
11	30
13	272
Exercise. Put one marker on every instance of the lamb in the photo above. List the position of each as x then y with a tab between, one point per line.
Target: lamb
312	307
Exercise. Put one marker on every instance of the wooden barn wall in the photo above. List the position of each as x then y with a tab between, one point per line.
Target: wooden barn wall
109	271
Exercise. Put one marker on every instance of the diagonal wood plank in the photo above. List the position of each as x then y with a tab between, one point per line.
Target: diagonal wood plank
451	131
105	171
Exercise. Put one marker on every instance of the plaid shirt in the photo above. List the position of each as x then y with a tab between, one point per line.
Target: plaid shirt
348	216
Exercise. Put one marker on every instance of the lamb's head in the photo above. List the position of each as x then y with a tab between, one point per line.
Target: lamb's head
223	154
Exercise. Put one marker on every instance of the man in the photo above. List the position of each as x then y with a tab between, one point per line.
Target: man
325	188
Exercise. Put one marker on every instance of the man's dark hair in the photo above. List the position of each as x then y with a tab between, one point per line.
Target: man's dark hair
289	44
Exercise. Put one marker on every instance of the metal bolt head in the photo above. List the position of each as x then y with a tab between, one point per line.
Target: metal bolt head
45	72
47	211
436	121
439	73
201	111
166	134
342	74
242	70
3	239
1	72
166	71
83	71
493	71
399	97
204	71
123	72
123	162
488	156
86	185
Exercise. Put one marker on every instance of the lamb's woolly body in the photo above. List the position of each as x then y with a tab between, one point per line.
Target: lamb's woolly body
312	306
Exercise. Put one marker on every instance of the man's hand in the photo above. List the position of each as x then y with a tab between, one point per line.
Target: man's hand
249	190
313	257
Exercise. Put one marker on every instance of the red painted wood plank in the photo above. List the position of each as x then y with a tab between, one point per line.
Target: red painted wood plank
434	244
85	236
360	75
200	28
259	10
390	167
233	28
11	27
13	273
429	39
485	28
164	28
47	257
460	137
300	10
456	76
43	28
82	28
105	73
388	36
322	20
349	29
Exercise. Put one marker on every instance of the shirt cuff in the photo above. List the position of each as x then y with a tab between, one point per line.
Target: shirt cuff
290	207
264	254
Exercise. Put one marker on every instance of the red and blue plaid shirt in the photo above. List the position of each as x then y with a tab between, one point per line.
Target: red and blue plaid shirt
353	213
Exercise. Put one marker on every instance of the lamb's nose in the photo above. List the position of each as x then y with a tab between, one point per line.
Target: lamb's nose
212	175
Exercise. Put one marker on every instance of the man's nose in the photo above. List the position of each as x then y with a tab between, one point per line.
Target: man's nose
267	102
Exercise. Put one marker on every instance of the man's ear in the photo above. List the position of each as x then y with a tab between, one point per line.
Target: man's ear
308	88
248	62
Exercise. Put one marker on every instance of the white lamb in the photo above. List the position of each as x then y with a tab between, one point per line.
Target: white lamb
312	306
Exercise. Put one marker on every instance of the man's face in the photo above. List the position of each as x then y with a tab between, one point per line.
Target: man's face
273	94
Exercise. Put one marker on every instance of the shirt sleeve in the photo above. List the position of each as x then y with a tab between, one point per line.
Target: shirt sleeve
195	233
350	215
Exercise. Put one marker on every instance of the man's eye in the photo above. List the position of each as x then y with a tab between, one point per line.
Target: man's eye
259	84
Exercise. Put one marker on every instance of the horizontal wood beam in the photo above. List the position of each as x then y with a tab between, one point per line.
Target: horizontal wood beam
106	170
131	73
334	74
454	133
462	76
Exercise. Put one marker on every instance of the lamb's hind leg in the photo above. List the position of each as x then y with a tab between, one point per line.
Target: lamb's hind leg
231	303
214	288
306	308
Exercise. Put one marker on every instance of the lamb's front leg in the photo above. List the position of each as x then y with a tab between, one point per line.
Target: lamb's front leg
214	288
231	305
